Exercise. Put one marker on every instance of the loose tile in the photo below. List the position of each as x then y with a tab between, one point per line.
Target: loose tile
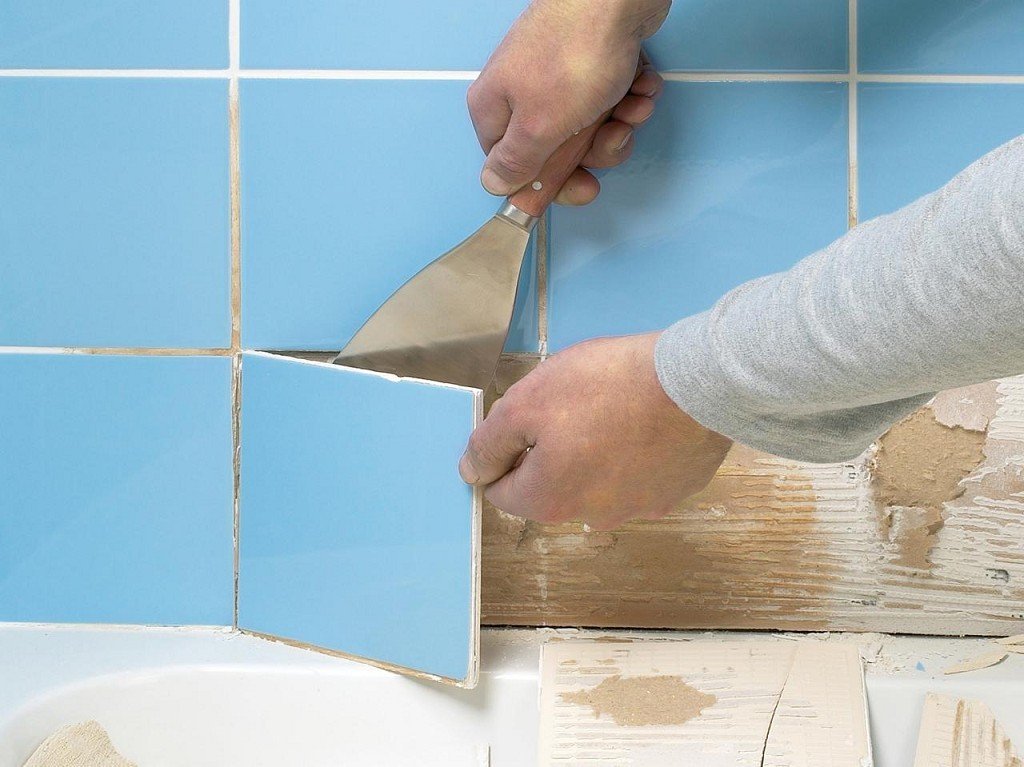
941	36
821	719
391	34
114	212
744	678
338	213
357	534
960	732
729	181
117	489
114	34
706	703
915	137
754	36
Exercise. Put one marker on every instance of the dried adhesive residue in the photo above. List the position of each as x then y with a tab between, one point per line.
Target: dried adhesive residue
920	466
643	700
921	463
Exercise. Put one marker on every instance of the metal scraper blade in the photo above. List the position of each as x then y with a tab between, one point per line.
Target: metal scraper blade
449	322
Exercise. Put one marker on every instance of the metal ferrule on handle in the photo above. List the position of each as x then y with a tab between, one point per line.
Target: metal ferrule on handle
520	218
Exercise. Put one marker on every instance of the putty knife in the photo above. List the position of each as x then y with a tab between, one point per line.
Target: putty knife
448	323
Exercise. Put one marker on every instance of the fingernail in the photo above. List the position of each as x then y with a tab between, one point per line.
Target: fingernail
622	144
467	472
494	183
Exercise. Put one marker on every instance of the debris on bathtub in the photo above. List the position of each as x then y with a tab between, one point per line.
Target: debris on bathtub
960	732
1016	639
85	744
706	703
978	662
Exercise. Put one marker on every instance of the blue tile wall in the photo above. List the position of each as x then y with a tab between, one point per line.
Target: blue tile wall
390	34
109	34
117	482
356	531
730	181
339	212
957	37
116	476
754	36
915	137
114	212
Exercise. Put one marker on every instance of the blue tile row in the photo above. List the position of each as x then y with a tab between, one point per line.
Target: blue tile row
958	37
114	213
349	188
112	34
729	181
117	232
356	533
117	489
909	36
356	530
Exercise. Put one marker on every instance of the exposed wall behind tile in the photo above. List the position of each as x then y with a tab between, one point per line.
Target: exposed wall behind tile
182	180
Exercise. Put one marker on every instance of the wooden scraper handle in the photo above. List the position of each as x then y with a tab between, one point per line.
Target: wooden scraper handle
534	198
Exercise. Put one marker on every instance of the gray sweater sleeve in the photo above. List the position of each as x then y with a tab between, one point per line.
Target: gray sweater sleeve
816	362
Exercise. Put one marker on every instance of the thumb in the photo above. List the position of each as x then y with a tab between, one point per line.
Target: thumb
494	448
516	159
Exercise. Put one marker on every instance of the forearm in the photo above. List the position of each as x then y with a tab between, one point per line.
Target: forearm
816	362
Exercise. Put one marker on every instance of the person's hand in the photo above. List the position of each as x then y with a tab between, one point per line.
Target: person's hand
590	434
563	64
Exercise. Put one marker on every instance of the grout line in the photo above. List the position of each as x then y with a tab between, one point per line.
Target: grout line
119	73
235	186
750	77
853	171
541	255
235	176
234	34
943	79
236	72
117	350
358	74
236	484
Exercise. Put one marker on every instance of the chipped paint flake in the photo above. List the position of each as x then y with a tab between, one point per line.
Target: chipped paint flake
985	660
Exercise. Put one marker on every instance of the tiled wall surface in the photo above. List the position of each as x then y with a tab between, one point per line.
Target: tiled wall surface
138	218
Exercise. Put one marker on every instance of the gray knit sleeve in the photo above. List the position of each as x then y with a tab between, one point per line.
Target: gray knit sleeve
816	362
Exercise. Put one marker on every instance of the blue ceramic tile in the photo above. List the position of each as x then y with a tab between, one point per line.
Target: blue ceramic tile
117	489
941	36
916	137
356	531
114	214
388	34
729	181
338	212
754	36
114	34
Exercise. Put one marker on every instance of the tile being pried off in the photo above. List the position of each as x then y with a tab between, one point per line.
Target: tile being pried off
922	527
703	704
356	535
959	732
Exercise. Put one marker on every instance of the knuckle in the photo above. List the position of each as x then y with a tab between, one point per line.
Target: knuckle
510	162
475	96
536	129
479	448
